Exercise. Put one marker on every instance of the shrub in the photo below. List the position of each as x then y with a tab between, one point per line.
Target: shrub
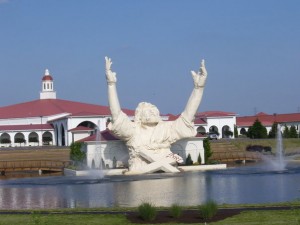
189	160
208	210
147	211
207	151
76	154
175	211
199	159
257	130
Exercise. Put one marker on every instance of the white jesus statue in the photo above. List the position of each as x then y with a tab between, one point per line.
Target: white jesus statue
148	138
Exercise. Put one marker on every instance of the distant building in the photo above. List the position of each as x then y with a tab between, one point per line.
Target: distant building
267	120
216	122
50	121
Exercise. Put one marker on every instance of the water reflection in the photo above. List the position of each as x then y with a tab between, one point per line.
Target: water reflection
240	185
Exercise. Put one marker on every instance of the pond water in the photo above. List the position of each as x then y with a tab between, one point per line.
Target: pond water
252	184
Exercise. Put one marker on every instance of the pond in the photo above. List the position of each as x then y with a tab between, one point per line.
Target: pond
247	184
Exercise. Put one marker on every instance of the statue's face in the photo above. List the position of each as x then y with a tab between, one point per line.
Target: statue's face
150	116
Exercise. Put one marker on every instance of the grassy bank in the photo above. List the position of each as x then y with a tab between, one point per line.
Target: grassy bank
259	217
289	144
75	216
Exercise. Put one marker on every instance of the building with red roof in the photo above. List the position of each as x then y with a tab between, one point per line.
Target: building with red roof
50	121
290	119
216	122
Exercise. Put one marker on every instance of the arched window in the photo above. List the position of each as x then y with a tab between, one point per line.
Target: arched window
226	132
47	138
5	138
19	138
88	124
201	130
214	129
33	137
243	131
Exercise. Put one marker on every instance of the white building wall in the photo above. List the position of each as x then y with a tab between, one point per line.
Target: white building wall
192	146
108	150
79	135
220	122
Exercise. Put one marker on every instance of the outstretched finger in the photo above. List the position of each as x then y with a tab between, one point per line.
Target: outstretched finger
194	74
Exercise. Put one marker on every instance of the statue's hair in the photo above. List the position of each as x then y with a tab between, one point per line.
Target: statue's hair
140	108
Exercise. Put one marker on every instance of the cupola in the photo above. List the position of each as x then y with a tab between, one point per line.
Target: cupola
47	87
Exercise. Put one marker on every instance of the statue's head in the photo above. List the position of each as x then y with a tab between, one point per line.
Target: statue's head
147	114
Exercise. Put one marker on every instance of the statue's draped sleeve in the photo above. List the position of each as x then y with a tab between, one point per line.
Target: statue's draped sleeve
122	127
181	128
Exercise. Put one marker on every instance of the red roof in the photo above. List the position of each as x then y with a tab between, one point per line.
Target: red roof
48	107
215	114
106	135
4	128
267	119
199	120
47	77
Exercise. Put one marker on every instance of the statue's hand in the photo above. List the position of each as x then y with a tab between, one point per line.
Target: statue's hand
110	75
200	76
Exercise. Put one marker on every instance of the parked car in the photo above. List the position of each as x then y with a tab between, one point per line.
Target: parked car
258	148
212	136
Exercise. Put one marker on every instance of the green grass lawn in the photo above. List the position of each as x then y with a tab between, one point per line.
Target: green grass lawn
271	217
57	219
289	144
260	217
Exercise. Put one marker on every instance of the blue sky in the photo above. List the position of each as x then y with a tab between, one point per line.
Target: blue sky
251	48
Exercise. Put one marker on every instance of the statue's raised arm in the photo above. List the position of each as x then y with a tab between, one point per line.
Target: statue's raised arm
196	96
111	79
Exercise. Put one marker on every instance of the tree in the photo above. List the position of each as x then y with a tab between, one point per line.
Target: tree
47	139
33	139
257	130
236	134
207	150
20	140
293	132
189	160
228	133
76	154
199	159
286	132
273	131
5	141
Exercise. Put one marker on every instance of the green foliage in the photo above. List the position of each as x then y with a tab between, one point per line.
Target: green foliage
286	132
189	160
33	139
36	218
228	133
199	159
5	141
257	130
147	211
208	210
47	139
20	140
293	132
273	131
207	150
235	132
76	154
175	210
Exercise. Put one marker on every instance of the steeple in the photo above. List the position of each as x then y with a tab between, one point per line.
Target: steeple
47	87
